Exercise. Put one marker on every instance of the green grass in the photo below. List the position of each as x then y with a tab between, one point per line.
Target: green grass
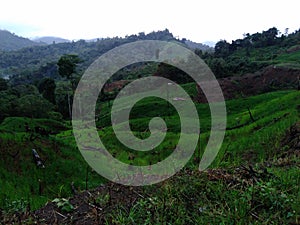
292	58
17	124
273	113
254	142
21	178
194	199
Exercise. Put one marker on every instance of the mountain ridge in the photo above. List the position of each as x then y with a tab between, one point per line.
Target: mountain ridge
28	60
11	42
50	40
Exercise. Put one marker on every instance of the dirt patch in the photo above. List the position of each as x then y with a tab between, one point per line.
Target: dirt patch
89	207
116	85
271	78
289	151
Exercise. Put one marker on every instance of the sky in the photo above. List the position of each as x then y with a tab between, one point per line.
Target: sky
197	20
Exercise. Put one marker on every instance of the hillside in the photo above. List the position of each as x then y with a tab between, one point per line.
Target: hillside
254	52
12	42
268	79
254	179
30	60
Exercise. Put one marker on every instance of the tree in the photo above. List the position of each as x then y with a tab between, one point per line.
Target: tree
33	106
67	68
7	104
270	36
3	84
62	98
218	67
222	49
172	73
199	52
286	31
28	89
67	65
47	88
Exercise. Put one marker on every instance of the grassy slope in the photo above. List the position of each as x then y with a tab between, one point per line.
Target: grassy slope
19	174
198	200
265	108
255	142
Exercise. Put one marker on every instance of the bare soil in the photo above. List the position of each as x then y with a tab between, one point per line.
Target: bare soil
271	78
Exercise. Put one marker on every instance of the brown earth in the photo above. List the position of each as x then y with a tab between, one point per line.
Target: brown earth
117	85
271	78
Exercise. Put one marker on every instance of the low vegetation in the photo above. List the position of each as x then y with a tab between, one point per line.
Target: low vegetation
219	194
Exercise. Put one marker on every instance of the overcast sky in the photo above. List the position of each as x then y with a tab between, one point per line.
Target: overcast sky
197	20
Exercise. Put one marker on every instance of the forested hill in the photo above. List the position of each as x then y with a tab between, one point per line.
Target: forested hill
248	55
11	42
254	52
28	60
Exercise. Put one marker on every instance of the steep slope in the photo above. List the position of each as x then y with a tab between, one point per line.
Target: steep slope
241	177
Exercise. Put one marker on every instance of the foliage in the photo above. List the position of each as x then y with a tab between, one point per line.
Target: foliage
7	104
252	53
3	84
34	106
172	73
26	64
192	198
47	88
67	65
19	205
63	204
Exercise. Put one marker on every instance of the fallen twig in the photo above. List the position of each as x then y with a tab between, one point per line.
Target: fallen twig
61	215
94	206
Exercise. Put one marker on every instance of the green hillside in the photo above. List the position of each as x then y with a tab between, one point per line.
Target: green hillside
254	52
254	143
254	179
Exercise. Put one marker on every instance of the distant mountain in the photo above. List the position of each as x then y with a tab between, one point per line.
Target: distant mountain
39	61
11	42
194	45
94	39
210	43
51	40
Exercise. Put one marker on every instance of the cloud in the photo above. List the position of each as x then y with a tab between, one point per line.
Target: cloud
197	20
